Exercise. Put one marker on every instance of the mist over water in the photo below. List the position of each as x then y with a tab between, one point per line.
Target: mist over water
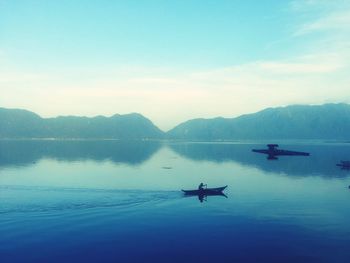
121	201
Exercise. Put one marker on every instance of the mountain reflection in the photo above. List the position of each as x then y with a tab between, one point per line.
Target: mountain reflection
322	161
21	153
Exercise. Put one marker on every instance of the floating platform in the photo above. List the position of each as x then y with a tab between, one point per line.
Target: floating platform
273	151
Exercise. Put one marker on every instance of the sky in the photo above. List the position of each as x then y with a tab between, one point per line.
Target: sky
172	60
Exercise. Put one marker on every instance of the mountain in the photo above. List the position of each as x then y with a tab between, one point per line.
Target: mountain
25	124
328	121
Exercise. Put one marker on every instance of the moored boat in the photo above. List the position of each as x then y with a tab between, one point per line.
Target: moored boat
273	151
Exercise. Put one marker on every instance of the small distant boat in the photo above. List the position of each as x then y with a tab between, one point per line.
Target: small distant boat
344	164
206	191
272	151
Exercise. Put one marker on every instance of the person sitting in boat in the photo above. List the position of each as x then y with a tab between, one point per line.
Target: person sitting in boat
201	186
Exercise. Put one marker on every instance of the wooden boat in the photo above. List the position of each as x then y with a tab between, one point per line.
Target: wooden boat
206	191
272	151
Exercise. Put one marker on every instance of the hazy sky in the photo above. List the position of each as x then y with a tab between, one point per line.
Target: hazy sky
172	60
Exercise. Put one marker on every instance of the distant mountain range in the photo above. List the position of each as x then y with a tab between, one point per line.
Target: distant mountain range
328	121
25	124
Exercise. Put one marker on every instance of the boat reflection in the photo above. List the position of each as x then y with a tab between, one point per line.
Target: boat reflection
345	165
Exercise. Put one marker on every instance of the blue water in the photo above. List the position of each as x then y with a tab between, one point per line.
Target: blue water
110	201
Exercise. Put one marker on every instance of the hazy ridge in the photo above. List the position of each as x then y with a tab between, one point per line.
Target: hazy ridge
328	121
25	124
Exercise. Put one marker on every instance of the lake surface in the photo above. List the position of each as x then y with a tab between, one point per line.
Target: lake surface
110	201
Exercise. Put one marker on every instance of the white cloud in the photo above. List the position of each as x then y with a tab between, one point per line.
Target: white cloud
323	16
336	21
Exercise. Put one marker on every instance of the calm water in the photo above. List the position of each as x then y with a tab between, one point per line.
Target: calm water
108	201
